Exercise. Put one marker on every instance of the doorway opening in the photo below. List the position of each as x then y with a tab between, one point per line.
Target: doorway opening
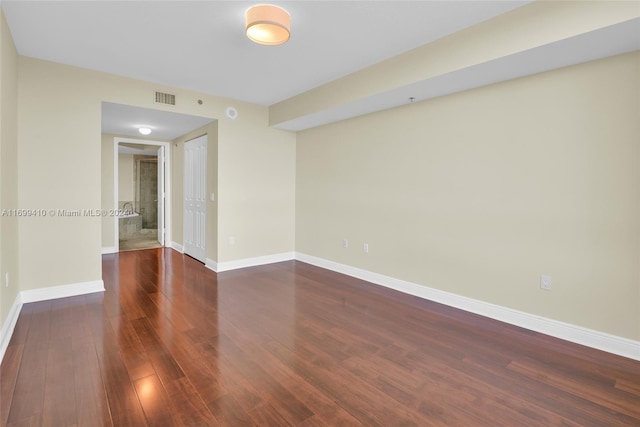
121	126
141	193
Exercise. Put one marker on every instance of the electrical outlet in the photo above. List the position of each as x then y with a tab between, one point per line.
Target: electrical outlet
365	248
232	240
6	279
545	282
345	243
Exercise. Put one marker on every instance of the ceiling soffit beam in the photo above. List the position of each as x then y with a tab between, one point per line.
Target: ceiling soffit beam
524	29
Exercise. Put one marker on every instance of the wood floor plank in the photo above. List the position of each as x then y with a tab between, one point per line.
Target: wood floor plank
28	394
124	405
606	396
171	313
551	401
123	402
230	412
187	405
68	319
316	421
21	328
172	343
163	363
481	402
200	367
133	352
323	406
8	376
287	404
267	415
32	421
356	396
629	387
155	402
91	399
237	386
59	407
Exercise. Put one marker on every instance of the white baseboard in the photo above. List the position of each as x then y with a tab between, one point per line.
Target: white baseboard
9	325
211	265
577	334
178	247
251	262
63	291
109	250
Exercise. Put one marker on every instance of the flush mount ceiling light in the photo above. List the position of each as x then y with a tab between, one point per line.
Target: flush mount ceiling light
144	131
268	24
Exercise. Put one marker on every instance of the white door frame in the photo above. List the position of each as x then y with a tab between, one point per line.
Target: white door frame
161	195
167	185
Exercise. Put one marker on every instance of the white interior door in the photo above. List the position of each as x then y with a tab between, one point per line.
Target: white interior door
195	207
161	196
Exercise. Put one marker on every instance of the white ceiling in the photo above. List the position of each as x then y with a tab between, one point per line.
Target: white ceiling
125	120
200	45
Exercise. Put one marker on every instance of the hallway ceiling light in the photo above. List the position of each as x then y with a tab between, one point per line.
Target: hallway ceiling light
268	24
144	131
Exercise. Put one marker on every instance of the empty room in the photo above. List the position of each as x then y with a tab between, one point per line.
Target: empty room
319	213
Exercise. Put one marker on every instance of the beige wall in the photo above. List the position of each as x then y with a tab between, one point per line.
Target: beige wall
256	186
8	169
177	191
67	172
126	183
481	192
59	169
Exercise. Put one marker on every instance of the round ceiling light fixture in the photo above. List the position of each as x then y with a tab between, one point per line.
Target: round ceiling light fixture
267	24
144	130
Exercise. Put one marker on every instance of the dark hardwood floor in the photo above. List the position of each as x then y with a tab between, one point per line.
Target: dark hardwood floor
288	344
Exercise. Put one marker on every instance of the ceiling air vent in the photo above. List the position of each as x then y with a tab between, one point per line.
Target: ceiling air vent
165	98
